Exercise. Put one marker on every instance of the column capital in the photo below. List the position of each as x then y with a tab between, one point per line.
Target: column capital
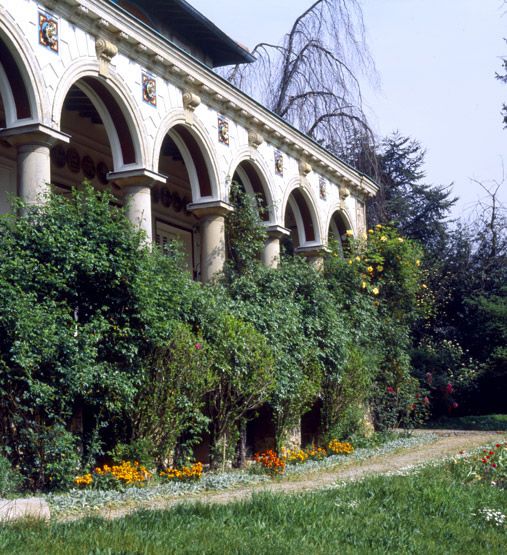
276	231
136	177
210	208
33	134
313	250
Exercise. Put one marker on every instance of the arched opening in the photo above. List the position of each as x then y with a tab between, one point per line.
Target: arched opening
7	167
337	231
15	104
300	221
184	163
13	88
247	175
101	139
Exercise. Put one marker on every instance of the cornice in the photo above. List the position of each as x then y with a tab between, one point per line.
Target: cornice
138	42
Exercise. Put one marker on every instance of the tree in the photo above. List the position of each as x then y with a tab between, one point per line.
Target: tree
311	80
503	77
418	210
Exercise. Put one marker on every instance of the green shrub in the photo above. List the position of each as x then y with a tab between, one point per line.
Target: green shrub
11	481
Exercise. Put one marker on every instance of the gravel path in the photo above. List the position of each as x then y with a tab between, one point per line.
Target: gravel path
448	443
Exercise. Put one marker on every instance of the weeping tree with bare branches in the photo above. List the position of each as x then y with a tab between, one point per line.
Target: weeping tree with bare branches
312	79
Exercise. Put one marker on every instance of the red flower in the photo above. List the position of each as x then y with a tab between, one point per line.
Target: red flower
484	461
426	401
198	346
493	465
455	405
491	452
498	445
390	389
448	388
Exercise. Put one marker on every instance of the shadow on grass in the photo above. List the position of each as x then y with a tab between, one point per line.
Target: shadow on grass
487	422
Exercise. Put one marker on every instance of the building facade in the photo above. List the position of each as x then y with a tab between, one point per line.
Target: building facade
123	94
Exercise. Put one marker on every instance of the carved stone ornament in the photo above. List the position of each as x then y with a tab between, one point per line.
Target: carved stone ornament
106	51
322	188
279	163
223	131
304	168
255	139
191	101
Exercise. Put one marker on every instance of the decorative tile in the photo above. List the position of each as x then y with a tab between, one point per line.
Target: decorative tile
223	130
48	31
323	188
278	163
150	89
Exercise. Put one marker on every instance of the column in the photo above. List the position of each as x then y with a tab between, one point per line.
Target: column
315	255
271	252
137	185
212	226
33	143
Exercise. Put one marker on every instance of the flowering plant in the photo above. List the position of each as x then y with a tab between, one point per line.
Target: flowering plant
488	466
270	462
336	447
190	473
124	474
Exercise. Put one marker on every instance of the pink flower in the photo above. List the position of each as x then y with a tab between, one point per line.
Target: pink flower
429	378
426	401
198	346
455	405
448	388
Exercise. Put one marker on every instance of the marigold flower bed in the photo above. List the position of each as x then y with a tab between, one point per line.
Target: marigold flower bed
275	463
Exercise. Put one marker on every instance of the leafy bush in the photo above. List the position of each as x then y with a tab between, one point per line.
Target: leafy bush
11	480
169	403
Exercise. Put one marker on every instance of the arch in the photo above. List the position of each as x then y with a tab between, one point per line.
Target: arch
254	175
21	88
303	206
197	152
114	104
338	221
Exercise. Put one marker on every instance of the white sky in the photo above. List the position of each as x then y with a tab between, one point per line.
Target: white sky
436	60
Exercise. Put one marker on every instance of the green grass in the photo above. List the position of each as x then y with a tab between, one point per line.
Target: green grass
426	512
488	422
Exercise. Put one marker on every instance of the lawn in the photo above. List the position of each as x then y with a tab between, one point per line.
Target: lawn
426	511
487	422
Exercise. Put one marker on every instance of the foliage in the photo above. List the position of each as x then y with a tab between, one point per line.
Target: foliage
270	462
243	370
11	480
379	513
488	466
245	236
187	473
116	476
418	210
383	272
169	403
82	301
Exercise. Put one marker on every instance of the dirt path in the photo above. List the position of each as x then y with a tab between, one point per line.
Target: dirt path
447	444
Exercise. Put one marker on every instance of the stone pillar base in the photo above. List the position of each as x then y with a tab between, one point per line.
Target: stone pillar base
271	252
212	223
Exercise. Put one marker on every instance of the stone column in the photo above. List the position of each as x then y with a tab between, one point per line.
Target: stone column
33	143
212	226
137	185
271	252
315	255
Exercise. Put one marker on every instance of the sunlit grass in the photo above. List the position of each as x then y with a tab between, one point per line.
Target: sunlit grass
430	511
